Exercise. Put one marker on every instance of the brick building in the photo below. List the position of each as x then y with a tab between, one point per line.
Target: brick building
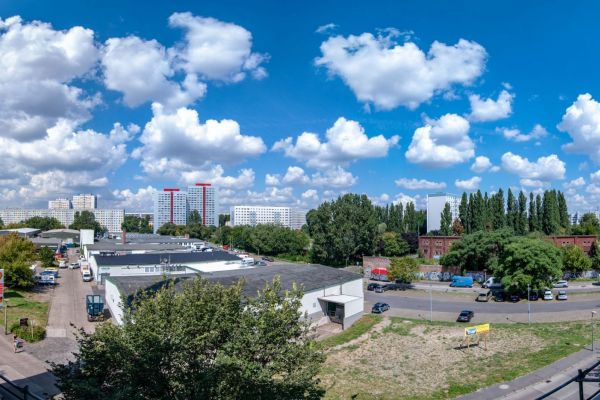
435	246
583	241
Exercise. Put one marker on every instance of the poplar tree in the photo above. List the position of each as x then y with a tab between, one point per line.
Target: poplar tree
521	227
446	221
511	210
550	213
532	213
463	212
563	211
538	212
498	217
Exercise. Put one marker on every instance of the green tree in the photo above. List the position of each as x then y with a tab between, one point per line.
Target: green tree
134	223
16	256
477	251
446	220
223	219
478	212
46	256
539	211
588	225
497	210
394	245
1	223
550	213
194	218
595	256
563	212
403	269
575	260
171	229
511	210
532	214
521	219
527	261
43	223
86	220
204	341
410	218
463	212
342	230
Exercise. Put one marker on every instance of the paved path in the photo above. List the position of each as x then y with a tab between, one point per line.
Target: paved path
544	380
574	287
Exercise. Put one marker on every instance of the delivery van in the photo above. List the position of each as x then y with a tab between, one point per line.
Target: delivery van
492	283
461	281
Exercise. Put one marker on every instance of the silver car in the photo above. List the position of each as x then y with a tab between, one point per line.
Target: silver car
562	295
548	295
561	284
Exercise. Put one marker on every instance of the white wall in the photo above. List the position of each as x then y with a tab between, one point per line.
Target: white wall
310	302
112	297
332	290
353	288
354	307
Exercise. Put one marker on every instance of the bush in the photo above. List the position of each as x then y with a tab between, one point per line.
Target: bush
25	332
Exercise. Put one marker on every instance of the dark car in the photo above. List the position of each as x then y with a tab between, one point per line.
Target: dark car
372	286
269	259
499	296
379	288
534	296
394	286
465	316
378	308
514	298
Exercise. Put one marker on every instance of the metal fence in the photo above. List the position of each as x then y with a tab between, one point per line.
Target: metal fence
591	374
21	393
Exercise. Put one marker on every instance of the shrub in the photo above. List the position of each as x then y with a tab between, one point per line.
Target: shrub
25	332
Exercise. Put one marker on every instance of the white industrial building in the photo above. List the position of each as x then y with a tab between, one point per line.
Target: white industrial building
258	215
109	218
435	205
330	294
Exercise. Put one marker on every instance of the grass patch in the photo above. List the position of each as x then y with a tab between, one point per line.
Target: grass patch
299	258
21	304
399	326
360	327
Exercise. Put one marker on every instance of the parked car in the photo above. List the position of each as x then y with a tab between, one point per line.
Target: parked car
378	288
465	316
499	296
371	286
379	308
562	295
484	295
548	295
514	298
74	265
53	271
492	283
395	286
269	259
45	279
260	264
561	284
534	296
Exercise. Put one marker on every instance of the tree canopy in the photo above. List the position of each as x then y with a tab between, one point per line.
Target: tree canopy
478	251
134	223
16	256
394	245
203	342
86	220
574	259
403	269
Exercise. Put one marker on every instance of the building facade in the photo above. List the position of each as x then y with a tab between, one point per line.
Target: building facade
435	205
584	242
202	198
60	204
434	247
111	219
257	215
297	219
85	201
170	206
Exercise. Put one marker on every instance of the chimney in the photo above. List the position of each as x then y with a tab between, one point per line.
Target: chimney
124	237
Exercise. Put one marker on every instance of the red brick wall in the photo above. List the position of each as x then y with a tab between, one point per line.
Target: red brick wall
430	246
375	262
583	242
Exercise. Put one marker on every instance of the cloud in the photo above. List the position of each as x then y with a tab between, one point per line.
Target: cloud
334	178
215	175
544	169
175	142
414	184
482	164
272	180
441	143
346	141
575	183
489	109
595	177
216	50
142	200
582	122
310	195
515	135
295	176
327	28
535	183
382	72
404	199
39	65
468	184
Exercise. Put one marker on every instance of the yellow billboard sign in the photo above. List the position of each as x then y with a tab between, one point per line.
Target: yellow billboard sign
477	329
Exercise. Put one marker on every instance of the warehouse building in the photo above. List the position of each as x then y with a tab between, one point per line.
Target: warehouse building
330	294
103	266
64	234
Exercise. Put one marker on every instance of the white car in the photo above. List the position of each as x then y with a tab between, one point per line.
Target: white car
548	295
561	284
562	295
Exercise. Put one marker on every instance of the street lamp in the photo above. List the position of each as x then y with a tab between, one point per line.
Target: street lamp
430	304
593	313
528	306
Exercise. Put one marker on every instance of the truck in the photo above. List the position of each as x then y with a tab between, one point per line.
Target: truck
86	273
462	281
492	283
95	307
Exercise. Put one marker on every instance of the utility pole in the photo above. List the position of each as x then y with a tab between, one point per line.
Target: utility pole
5	305
430	304
593	313
528	306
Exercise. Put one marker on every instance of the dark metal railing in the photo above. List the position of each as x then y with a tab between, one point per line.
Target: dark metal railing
580	379
21	393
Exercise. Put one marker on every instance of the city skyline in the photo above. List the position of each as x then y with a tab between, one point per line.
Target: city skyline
389	101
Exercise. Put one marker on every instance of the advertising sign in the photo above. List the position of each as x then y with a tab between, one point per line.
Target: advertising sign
477	329
1	287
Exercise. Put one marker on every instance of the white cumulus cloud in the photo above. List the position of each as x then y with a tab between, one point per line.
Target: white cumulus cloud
441	143
516	135
582	122
414	184
468	184
544	169
489	109
482	164
334	178
381	71
295	176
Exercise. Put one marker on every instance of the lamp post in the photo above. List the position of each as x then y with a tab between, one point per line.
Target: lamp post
430	304
528	306
593	313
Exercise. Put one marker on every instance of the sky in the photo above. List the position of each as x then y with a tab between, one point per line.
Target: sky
294	104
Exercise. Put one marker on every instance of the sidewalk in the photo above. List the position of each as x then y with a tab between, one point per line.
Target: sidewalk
543	380
24	369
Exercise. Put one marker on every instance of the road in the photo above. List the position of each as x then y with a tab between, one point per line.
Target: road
574	287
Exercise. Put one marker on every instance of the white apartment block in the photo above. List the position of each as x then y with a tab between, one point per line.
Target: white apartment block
202	198
85	201
257	215
435	205
170	205
59	204
111	219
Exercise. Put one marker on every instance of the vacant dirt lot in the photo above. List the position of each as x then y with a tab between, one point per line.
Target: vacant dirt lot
400	359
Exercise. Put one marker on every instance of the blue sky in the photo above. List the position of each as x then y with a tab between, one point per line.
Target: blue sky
394	101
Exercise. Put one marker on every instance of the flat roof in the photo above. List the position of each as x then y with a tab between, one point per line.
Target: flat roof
311	276
339	298
43	240
158	258
99	246
21	230
73	231
150	239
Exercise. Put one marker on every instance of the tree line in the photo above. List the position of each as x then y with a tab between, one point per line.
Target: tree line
546	213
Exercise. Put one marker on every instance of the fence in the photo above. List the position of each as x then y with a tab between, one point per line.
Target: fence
21	393
590	374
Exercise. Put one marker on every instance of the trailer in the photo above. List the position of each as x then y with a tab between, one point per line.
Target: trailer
95	307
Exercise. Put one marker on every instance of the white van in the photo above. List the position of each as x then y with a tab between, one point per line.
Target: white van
492	283
247	261
86	275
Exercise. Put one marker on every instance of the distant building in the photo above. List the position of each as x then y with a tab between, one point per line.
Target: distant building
202	198
85	201
584	242
434	247
435	205
111	219
59	204
257	215
23	232
170	206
